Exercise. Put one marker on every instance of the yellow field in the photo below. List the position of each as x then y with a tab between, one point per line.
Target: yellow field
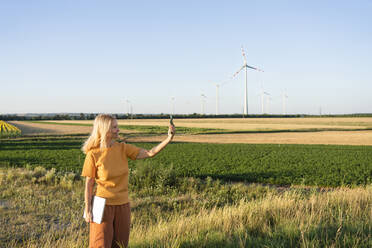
324	137
257	124
338	136
8	129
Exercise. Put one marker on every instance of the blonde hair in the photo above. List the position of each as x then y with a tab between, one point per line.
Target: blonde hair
98	138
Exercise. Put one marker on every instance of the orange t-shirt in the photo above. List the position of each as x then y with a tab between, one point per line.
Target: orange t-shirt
109	166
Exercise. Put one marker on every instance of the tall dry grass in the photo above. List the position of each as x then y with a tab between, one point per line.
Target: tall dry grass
42	208
340	218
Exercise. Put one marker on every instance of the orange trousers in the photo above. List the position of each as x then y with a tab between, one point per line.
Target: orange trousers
114	228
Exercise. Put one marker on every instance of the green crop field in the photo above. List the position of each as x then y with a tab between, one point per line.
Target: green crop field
321	165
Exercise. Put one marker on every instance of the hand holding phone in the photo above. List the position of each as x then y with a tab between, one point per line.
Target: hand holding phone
171	130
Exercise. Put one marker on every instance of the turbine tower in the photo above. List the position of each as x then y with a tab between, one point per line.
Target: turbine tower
203	103
262	95
125	105
284	103
218	95
245	66
267	101
217	104
268	104
173	100
128	107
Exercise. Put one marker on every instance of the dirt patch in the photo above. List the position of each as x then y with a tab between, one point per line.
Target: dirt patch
29	128
325	137
255	124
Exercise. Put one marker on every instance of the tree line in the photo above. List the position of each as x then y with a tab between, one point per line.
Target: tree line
91	116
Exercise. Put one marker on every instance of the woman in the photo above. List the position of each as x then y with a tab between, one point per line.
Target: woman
106	163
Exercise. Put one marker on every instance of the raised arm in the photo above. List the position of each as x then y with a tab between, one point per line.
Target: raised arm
155	150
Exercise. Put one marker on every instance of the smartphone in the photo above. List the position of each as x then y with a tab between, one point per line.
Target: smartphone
171	120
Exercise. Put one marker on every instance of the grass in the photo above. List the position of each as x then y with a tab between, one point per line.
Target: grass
40	209
43	208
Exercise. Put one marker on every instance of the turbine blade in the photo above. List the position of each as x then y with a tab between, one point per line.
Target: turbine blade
245	57
236	73
254	68
226	81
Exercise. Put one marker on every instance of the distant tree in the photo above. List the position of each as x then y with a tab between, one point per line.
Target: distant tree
57	117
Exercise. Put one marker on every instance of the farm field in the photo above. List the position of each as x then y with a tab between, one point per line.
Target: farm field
29	128
256	124
323	137
345	131
221	188
265	124
322	165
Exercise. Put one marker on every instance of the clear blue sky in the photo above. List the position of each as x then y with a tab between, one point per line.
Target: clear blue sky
93	56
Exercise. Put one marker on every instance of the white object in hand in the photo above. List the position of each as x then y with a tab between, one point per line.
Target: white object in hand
98	207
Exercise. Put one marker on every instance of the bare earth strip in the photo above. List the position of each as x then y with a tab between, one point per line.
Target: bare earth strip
324	137
29	128
258	124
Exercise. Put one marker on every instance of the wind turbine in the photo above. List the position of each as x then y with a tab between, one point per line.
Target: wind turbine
217	94
125	105
128	107
245	66
284	101
203	103
262	94
173	99
217	106
268	98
